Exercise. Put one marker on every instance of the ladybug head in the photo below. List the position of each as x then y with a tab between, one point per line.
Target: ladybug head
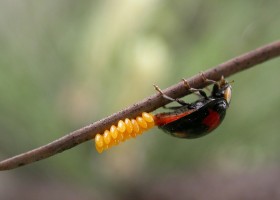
222	89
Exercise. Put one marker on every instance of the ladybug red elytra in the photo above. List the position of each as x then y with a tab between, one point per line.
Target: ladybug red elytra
193	120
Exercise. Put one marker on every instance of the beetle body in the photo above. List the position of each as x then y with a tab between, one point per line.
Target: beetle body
193	120
193	123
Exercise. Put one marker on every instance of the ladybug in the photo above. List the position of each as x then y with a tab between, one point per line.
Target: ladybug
194	120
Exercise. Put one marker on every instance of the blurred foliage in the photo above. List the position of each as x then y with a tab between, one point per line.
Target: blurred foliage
65	64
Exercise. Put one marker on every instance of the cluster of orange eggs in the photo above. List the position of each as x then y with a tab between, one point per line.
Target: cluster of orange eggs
128	128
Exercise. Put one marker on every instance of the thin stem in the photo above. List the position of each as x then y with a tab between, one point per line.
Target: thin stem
148	104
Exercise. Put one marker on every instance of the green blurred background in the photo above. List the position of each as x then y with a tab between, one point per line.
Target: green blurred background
65	64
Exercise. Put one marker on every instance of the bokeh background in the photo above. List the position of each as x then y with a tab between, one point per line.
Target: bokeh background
65	64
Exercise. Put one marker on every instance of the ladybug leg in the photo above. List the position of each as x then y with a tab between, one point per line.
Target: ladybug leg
205	79
199	92
180	101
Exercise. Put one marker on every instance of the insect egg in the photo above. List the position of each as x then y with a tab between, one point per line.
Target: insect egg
136	128
123	131
99	144
114	132
129	128
142	123
107	137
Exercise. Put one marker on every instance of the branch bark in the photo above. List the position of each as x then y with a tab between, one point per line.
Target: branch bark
148	104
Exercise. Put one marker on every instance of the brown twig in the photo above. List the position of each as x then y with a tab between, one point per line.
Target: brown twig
151	103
